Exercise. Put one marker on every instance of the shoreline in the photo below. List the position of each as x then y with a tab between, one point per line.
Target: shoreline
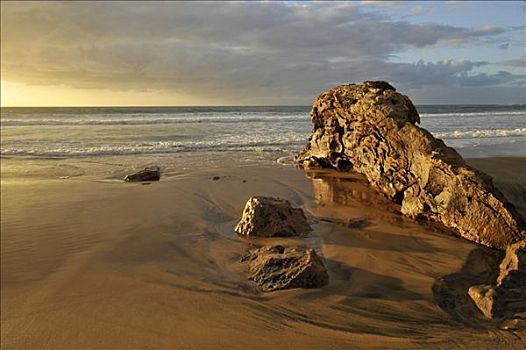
96	262
116	167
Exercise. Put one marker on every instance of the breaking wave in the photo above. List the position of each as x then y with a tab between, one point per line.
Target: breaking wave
151	148
149	120
481	133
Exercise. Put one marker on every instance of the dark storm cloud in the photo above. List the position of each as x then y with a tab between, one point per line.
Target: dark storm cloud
256	52
450	73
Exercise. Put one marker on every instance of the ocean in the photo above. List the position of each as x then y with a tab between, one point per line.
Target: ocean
250	133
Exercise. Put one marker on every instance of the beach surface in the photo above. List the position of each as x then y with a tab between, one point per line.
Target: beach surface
88	261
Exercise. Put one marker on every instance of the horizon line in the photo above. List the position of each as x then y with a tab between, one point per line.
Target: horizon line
278	105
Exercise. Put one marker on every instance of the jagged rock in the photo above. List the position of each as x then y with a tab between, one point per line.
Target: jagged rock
276	267
487	298
512	270
508	296
271	217
152	173
498	302
371	129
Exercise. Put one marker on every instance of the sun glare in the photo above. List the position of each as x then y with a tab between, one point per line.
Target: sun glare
15	94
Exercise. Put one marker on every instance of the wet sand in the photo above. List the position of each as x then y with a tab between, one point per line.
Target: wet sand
89	263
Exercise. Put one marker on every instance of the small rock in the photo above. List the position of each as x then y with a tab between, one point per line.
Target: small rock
487	298
508	297
215	178
152	173
271	217
275	267
515	324
512	270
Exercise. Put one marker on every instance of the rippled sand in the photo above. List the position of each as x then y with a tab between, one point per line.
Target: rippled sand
90	263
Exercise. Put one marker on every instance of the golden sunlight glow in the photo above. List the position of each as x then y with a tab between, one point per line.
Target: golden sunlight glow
15	94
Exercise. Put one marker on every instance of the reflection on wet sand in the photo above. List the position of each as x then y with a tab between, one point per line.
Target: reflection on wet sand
341	198
344	189
346	194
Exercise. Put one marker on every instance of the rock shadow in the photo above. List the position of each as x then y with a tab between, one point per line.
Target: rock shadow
379	240
354	282
353	223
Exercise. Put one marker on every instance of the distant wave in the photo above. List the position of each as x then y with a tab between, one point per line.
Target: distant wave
213	118
150	121
474	114
481	133
284	143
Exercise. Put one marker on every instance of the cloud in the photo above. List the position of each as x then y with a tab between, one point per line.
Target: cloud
380	3
419	10
441	73
484	79
453	73
254	52
516	62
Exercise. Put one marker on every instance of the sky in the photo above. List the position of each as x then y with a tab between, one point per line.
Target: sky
259	53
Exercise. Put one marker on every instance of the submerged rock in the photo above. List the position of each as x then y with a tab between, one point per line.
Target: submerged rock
271	217
371	129
276	267
152	173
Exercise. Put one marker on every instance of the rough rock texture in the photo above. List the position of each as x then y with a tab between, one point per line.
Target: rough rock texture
371	129
498	302
512	270
487	298
152	173
508	296
276	267
271	217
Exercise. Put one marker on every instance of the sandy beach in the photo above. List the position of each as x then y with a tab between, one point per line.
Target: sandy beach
93	262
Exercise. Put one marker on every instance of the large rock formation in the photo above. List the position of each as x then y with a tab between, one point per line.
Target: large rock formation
276	267
271	217
371	129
